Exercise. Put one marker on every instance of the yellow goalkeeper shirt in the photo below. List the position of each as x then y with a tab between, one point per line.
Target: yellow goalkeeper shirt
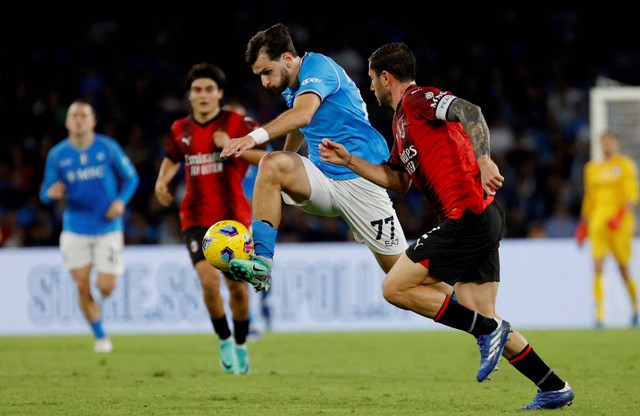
608	186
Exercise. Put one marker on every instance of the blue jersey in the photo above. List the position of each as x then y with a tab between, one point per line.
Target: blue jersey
342	116
94	178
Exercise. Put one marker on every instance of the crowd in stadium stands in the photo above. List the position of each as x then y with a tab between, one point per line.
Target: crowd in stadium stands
533	91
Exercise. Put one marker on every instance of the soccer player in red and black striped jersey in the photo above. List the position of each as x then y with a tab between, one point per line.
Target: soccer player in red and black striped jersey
214	192
441	146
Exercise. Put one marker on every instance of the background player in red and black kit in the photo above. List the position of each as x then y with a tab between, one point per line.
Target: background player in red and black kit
441	145
214	192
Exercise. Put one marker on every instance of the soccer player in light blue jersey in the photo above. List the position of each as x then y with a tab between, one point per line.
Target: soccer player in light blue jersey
323	102
96	180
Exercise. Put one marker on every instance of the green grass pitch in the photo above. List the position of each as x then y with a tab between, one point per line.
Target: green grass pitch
368	373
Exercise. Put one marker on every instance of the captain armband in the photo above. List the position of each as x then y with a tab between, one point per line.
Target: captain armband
442	106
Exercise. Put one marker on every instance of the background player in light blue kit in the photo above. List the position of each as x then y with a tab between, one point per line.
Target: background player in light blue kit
96	180
323	102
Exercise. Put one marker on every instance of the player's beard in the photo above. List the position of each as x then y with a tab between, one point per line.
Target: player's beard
285	78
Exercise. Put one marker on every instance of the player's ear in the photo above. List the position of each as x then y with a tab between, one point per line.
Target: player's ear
287	58
386	77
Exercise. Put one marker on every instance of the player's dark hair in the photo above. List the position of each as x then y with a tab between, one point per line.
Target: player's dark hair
395	58
273	41
82	101
206	70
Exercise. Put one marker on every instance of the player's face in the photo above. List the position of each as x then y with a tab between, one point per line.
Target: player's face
383	94
609	144
80	119
274	75
204	96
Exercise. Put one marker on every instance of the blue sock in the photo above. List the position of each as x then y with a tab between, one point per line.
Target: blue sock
264	238
96	327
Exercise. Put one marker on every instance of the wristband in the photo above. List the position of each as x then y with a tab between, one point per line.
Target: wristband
350	157
259	135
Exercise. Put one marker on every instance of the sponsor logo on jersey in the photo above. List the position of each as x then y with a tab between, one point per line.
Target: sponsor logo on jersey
85	174
204	163
311	80
407	157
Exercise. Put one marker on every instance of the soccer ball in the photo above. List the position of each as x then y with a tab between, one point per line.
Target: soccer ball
224	241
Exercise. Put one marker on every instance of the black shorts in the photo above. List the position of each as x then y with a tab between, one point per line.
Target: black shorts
464	250
193	238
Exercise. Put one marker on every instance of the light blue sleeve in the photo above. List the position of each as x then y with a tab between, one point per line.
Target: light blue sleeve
50	175
126	171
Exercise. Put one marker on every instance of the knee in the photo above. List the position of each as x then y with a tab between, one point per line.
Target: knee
106	286
268	163
273	165
105	292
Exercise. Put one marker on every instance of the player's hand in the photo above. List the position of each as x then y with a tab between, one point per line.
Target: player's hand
235	147
220	138
57	190
333	152
581	233
163	195
490	175
615	221
116	209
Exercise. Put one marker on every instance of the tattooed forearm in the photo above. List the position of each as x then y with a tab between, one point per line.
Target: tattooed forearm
473	123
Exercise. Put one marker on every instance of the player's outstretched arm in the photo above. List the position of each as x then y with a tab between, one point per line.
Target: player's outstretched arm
381	175
300	115
253	156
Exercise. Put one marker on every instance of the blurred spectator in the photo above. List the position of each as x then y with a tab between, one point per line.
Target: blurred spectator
561	223
536	230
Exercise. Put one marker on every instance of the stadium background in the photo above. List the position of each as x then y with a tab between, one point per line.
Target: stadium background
530	70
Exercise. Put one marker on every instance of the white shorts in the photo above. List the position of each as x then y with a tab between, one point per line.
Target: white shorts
365	207
104	252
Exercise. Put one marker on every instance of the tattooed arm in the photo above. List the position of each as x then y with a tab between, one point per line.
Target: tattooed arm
474	124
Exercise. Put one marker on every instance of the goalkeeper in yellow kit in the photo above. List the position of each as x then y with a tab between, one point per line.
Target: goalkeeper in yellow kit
608	217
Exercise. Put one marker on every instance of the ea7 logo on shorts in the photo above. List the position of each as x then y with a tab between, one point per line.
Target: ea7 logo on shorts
311	80
392	243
